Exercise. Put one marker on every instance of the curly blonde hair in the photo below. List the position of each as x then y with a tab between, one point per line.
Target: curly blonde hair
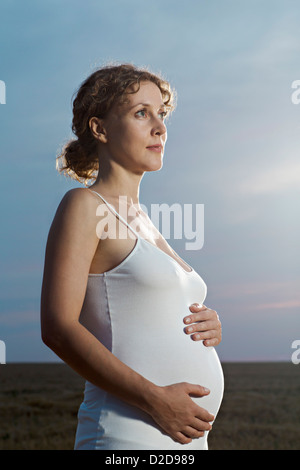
96	95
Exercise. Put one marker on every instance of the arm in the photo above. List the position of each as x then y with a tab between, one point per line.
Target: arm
71	245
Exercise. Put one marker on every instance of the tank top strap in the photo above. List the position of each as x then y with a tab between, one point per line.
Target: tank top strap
116	213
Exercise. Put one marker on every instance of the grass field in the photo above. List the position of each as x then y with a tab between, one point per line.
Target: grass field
260	409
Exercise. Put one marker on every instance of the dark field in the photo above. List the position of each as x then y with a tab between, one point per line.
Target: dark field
260	409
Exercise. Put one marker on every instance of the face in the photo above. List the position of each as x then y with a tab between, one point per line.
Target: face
134	132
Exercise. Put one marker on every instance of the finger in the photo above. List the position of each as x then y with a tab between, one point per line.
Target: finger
202	315
181	438
201	326
212	342
193	433
207	314
204	419
195	390
205	335
197	307
201	426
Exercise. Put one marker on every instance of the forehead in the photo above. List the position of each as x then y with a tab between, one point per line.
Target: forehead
148	92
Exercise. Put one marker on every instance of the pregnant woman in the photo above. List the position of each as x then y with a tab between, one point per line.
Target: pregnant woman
118	304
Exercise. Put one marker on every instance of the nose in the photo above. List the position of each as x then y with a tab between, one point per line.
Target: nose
159	128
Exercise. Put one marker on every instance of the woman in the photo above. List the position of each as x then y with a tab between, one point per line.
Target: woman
114	307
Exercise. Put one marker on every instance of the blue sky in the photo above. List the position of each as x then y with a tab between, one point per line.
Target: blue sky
233	145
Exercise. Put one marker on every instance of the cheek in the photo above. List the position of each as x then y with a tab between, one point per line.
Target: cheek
127	137
127	145
136	136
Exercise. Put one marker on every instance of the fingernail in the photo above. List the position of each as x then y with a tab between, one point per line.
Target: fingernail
187	320
196	305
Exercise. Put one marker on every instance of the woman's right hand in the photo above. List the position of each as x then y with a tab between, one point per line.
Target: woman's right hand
177	414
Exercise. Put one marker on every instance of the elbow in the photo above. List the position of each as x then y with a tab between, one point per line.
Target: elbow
58	335
52	337
47	338
50	340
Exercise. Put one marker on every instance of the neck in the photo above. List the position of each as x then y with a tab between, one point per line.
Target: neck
116	184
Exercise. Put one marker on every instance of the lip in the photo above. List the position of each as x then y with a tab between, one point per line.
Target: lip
155	148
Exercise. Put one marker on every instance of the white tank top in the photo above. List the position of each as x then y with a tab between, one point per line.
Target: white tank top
136	310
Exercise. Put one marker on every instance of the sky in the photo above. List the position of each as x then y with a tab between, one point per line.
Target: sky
233	146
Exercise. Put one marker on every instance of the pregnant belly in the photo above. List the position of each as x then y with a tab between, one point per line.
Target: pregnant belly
173	358
206	370
195	364
164	360
199	365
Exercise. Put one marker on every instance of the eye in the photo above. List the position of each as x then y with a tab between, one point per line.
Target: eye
143	111
163	114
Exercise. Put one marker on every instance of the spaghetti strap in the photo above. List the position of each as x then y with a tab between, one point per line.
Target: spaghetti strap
116	213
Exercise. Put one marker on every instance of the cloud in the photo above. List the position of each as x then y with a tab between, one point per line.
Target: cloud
282	177
259	287
285	304
262	294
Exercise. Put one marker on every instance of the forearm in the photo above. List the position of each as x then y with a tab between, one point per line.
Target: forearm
89	358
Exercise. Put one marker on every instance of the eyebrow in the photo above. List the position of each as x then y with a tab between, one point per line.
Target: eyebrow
148	105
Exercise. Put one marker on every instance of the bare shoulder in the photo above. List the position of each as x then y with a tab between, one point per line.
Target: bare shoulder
77	208
73	231
78	200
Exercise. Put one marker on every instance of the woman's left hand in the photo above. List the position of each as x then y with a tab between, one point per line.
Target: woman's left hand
203	324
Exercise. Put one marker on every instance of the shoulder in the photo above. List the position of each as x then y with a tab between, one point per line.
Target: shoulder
77	210
79	197
81	201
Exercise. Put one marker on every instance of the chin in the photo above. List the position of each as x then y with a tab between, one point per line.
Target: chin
152	164
155	167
